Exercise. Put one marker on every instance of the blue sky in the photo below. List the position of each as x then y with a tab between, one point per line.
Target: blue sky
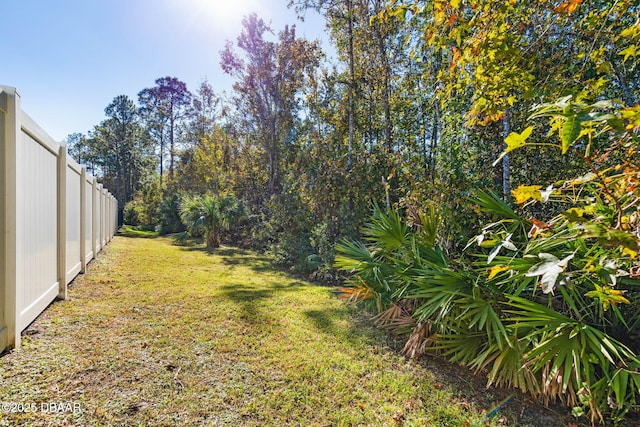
70	58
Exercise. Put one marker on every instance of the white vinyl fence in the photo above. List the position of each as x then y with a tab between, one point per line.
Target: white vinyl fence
54	218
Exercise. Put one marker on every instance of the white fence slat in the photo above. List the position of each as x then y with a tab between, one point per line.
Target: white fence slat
10	108
54	218
74	215
36	228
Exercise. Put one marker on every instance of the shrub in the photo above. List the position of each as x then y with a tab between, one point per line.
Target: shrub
547	305
169	217
210	216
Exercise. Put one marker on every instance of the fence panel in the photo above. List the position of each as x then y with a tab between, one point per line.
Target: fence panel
88	215
36	222
103	216
54	219
73	264
97	208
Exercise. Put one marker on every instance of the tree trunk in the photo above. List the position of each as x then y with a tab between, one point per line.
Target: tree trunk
171	144
506	175
434	139
271	165
388	126
213	240
161	159
627	95
352	80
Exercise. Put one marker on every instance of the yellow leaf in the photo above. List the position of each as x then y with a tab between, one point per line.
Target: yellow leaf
493	271
455	4
630	252
615	292
632	50
455	59
439	14
526	192
517	140
568	7
632	31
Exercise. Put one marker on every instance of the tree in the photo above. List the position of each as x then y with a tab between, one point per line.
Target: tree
163	107
79	147
210	215
498	57
122	149
203	115
210	165
269	76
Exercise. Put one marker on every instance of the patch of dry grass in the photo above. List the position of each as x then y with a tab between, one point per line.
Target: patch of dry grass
162	335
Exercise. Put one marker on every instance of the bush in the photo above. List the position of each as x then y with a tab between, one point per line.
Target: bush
169	216
132	212
550	306
210	216
143	210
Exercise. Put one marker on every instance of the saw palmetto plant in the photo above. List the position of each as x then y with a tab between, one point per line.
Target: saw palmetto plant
550	305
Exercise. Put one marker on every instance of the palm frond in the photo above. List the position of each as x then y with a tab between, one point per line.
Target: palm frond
387	230
352	256
395	318
492	204
421	338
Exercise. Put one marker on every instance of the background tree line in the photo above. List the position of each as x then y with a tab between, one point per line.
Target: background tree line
425	103
415	109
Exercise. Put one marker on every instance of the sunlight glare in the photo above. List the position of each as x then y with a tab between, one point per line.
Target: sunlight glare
223	10
217	18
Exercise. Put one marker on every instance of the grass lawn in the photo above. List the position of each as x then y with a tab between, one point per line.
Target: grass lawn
163	335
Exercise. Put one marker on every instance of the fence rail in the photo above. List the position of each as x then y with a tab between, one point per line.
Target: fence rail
54	219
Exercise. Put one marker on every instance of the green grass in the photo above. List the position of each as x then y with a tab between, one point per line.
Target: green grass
163	335
133	231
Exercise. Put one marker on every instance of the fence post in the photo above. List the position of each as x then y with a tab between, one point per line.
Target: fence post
62	222
103	240
9	131
99	216
113	213
83	219
108	218
94	222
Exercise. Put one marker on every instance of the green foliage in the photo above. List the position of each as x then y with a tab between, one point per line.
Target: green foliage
209	216
423	98
548	306
144	209
392	254
133	213
118	150
169	214
288	232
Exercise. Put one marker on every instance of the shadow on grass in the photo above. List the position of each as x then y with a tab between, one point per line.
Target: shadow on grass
136	232
232	256
230	251
251	300
189	247
196	244
257	263
329	322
